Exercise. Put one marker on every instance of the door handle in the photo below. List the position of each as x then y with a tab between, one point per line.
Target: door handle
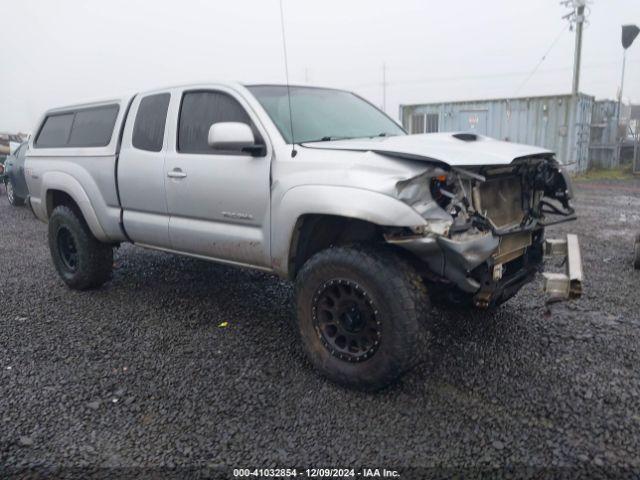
176	173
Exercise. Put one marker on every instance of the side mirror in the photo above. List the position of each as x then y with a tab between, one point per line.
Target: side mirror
234	136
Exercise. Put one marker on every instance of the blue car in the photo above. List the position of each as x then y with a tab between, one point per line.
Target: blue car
14	180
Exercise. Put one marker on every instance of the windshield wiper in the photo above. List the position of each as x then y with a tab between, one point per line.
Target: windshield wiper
327	139
330	138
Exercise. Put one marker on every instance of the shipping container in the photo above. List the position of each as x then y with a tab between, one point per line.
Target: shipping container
604	144
559	122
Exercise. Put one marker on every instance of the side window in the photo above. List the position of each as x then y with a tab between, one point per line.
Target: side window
199	110
93	127
55	131
89	127
148	130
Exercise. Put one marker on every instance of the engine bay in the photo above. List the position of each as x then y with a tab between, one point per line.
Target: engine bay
485	225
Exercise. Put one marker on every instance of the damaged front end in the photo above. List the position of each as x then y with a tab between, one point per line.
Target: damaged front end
484	231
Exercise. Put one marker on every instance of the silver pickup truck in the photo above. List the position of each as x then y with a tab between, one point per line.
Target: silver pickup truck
315	185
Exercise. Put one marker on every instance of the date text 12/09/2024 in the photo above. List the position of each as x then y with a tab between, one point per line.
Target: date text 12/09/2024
316	472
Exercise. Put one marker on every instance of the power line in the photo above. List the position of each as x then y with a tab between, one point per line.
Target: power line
482	76
535	69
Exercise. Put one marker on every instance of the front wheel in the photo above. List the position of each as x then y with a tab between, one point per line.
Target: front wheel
359	315
14	199
81	260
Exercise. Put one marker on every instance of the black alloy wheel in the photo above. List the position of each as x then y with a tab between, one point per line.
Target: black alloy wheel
67	249
344	317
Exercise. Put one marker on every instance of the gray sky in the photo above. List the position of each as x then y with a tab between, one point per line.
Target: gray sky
67	51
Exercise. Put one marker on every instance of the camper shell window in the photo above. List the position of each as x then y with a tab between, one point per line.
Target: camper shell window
87	127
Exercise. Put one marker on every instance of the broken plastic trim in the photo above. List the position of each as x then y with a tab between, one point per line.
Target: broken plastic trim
547	177
568	213
466	173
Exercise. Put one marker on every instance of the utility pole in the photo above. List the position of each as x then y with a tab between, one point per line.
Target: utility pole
579	5
384	87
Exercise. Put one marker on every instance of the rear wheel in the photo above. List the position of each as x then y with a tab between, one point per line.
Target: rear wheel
14	199
81	260
359	315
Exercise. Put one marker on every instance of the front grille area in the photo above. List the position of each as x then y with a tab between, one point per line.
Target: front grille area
512	246
500	200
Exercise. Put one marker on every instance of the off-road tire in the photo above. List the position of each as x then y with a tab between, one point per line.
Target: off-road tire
94	259
14	199
401	304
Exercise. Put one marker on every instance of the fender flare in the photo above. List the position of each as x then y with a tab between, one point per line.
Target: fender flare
69	185
356	203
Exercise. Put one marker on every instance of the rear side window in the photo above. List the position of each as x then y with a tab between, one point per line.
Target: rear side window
89	127
55	131
148	130
93	127
200	110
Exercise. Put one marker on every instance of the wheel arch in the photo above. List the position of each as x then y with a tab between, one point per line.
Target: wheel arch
340	214
62	189
315	232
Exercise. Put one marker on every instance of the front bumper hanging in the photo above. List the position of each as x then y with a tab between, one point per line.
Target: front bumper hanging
563	286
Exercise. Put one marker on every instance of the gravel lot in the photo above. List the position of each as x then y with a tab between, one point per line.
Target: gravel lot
140	374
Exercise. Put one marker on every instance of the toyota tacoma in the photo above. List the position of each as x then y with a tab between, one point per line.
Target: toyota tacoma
315	185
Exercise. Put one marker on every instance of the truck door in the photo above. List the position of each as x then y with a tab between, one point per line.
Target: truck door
140	175
218	200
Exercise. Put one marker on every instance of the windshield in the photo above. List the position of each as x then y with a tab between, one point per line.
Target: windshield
321	114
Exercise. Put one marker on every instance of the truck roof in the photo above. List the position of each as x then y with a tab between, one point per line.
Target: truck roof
95	103
124	100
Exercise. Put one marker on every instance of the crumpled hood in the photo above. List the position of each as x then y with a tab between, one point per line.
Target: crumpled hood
441	147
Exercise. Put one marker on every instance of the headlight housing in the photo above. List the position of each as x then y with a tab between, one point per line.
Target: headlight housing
417	193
